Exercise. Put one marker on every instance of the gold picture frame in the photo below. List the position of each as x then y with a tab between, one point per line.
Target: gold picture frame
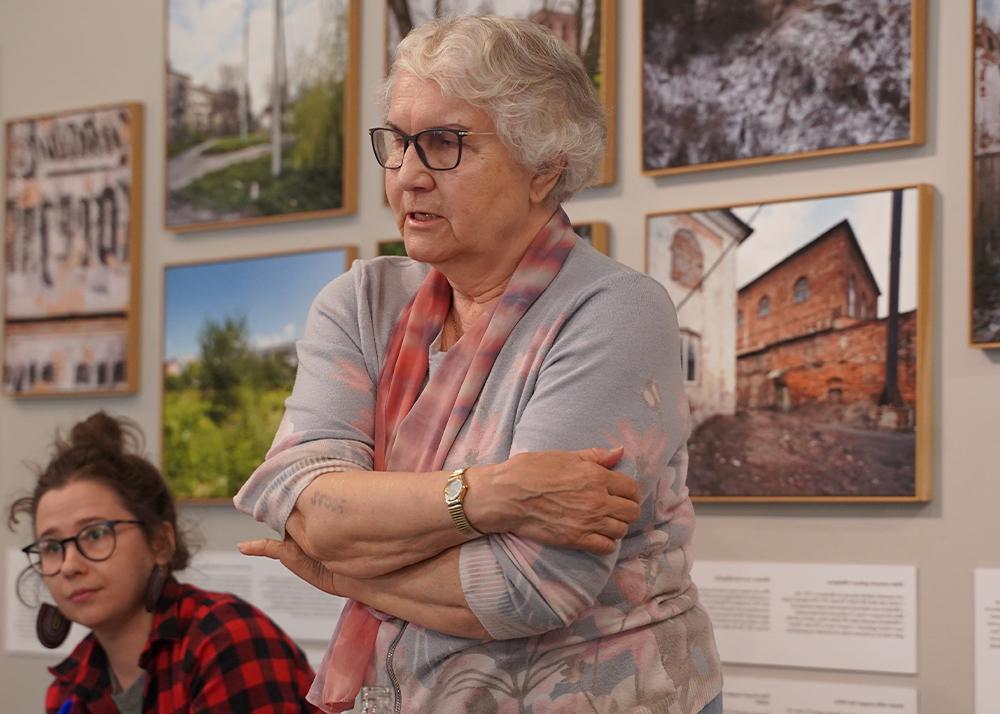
793	398
228	163
984	216
243	316
595	233
710	100
72	231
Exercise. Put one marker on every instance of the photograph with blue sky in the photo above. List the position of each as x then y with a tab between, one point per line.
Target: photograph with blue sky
273	293
780	229
206	36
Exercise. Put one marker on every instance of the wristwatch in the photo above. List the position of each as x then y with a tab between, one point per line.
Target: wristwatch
454	496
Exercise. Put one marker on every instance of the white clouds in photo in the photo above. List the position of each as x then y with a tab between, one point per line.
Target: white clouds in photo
205	35
286	334
782	228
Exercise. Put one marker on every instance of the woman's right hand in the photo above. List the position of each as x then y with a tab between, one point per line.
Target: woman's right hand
567	499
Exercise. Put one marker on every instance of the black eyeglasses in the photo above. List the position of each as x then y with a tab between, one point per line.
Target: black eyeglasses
439	149
95	542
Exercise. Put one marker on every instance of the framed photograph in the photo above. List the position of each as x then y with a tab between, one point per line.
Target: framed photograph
594	233
805	344
261	102
984	329
229	361
588	27
72	226
390	247
728	84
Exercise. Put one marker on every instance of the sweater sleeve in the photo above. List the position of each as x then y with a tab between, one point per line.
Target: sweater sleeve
611	377
328	424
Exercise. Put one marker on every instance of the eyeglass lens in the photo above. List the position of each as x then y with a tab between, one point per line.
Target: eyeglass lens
439	149
95	542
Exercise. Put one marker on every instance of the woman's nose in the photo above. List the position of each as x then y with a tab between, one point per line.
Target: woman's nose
412	174
73	560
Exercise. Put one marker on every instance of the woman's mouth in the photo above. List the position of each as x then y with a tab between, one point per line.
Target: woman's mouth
82	595
422	217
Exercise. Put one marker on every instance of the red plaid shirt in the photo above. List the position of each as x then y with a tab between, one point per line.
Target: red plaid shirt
207	652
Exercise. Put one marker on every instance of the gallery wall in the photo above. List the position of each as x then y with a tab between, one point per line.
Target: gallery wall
56	56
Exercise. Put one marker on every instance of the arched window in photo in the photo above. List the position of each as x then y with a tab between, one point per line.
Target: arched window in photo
852	297
691	356
800	293
687	262
764	307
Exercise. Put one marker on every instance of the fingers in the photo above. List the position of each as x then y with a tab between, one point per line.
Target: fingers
602	456
623	486
623	509
613	528
266	547
597	543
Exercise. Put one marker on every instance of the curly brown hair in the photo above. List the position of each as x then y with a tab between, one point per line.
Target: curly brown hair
107	450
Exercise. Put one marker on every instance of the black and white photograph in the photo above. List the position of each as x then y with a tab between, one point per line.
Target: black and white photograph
728	82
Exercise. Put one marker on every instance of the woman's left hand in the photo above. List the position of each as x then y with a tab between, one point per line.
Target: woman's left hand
292	557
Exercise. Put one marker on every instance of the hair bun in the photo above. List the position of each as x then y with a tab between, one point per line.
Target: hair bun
106	433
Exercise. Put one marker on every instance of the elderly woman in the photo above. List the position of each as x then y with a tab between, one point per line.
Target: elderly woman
485	446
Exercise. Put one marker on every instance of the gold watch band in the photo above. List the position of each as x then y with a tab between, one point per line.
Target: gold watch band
456	508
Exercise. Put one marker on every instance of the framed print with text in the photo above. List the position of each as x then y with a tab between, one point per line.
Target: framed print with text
72	227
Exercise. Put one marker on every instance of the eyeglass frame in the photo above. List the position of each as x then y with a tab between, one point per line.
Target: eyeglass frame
409	139
112	523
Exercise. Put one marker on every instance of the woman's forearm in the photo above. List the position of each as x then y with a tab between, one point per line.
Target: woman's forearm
369	523
428	594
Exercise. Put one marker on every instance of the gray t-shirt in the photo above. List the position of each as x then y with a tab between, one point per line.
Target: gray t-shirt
129	701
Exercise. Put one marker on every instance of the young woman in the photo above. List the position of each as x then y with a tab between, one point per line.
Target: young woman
106	546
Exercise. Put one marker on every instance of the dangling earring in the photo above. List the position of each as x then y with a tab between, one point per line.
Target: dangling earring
51	626
154	586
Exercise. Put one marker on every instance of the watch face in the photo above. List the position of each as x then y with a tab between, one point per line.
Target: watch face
453	489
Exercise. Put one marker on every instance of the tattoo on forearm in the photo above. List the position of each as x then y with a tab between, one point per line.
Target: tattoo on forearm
333	505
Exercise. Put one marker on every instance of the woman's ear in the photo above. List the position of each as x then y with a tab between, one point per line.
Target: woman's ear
543	182
164	544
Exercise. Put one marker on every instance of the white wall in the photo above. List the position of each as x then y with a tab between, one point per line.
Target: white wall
57	55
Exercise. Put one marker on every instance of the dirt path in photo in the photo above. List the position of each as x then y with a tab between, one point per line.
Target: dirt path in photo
769	453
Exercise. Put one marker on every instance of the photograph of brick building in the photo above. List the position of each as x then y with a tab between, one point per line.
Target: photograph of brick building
813	312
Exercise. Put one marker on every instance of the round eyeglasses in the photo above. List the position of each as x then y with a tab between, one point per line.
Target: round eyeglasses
95	542
439	149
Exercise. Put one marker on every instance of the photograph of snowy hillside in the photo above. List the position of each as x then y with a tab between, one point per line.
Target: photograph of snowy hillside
986	178
765	80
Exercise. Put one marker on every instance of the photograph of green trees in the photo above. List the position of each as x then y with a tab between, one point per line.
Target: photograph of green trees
230	330
260	111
